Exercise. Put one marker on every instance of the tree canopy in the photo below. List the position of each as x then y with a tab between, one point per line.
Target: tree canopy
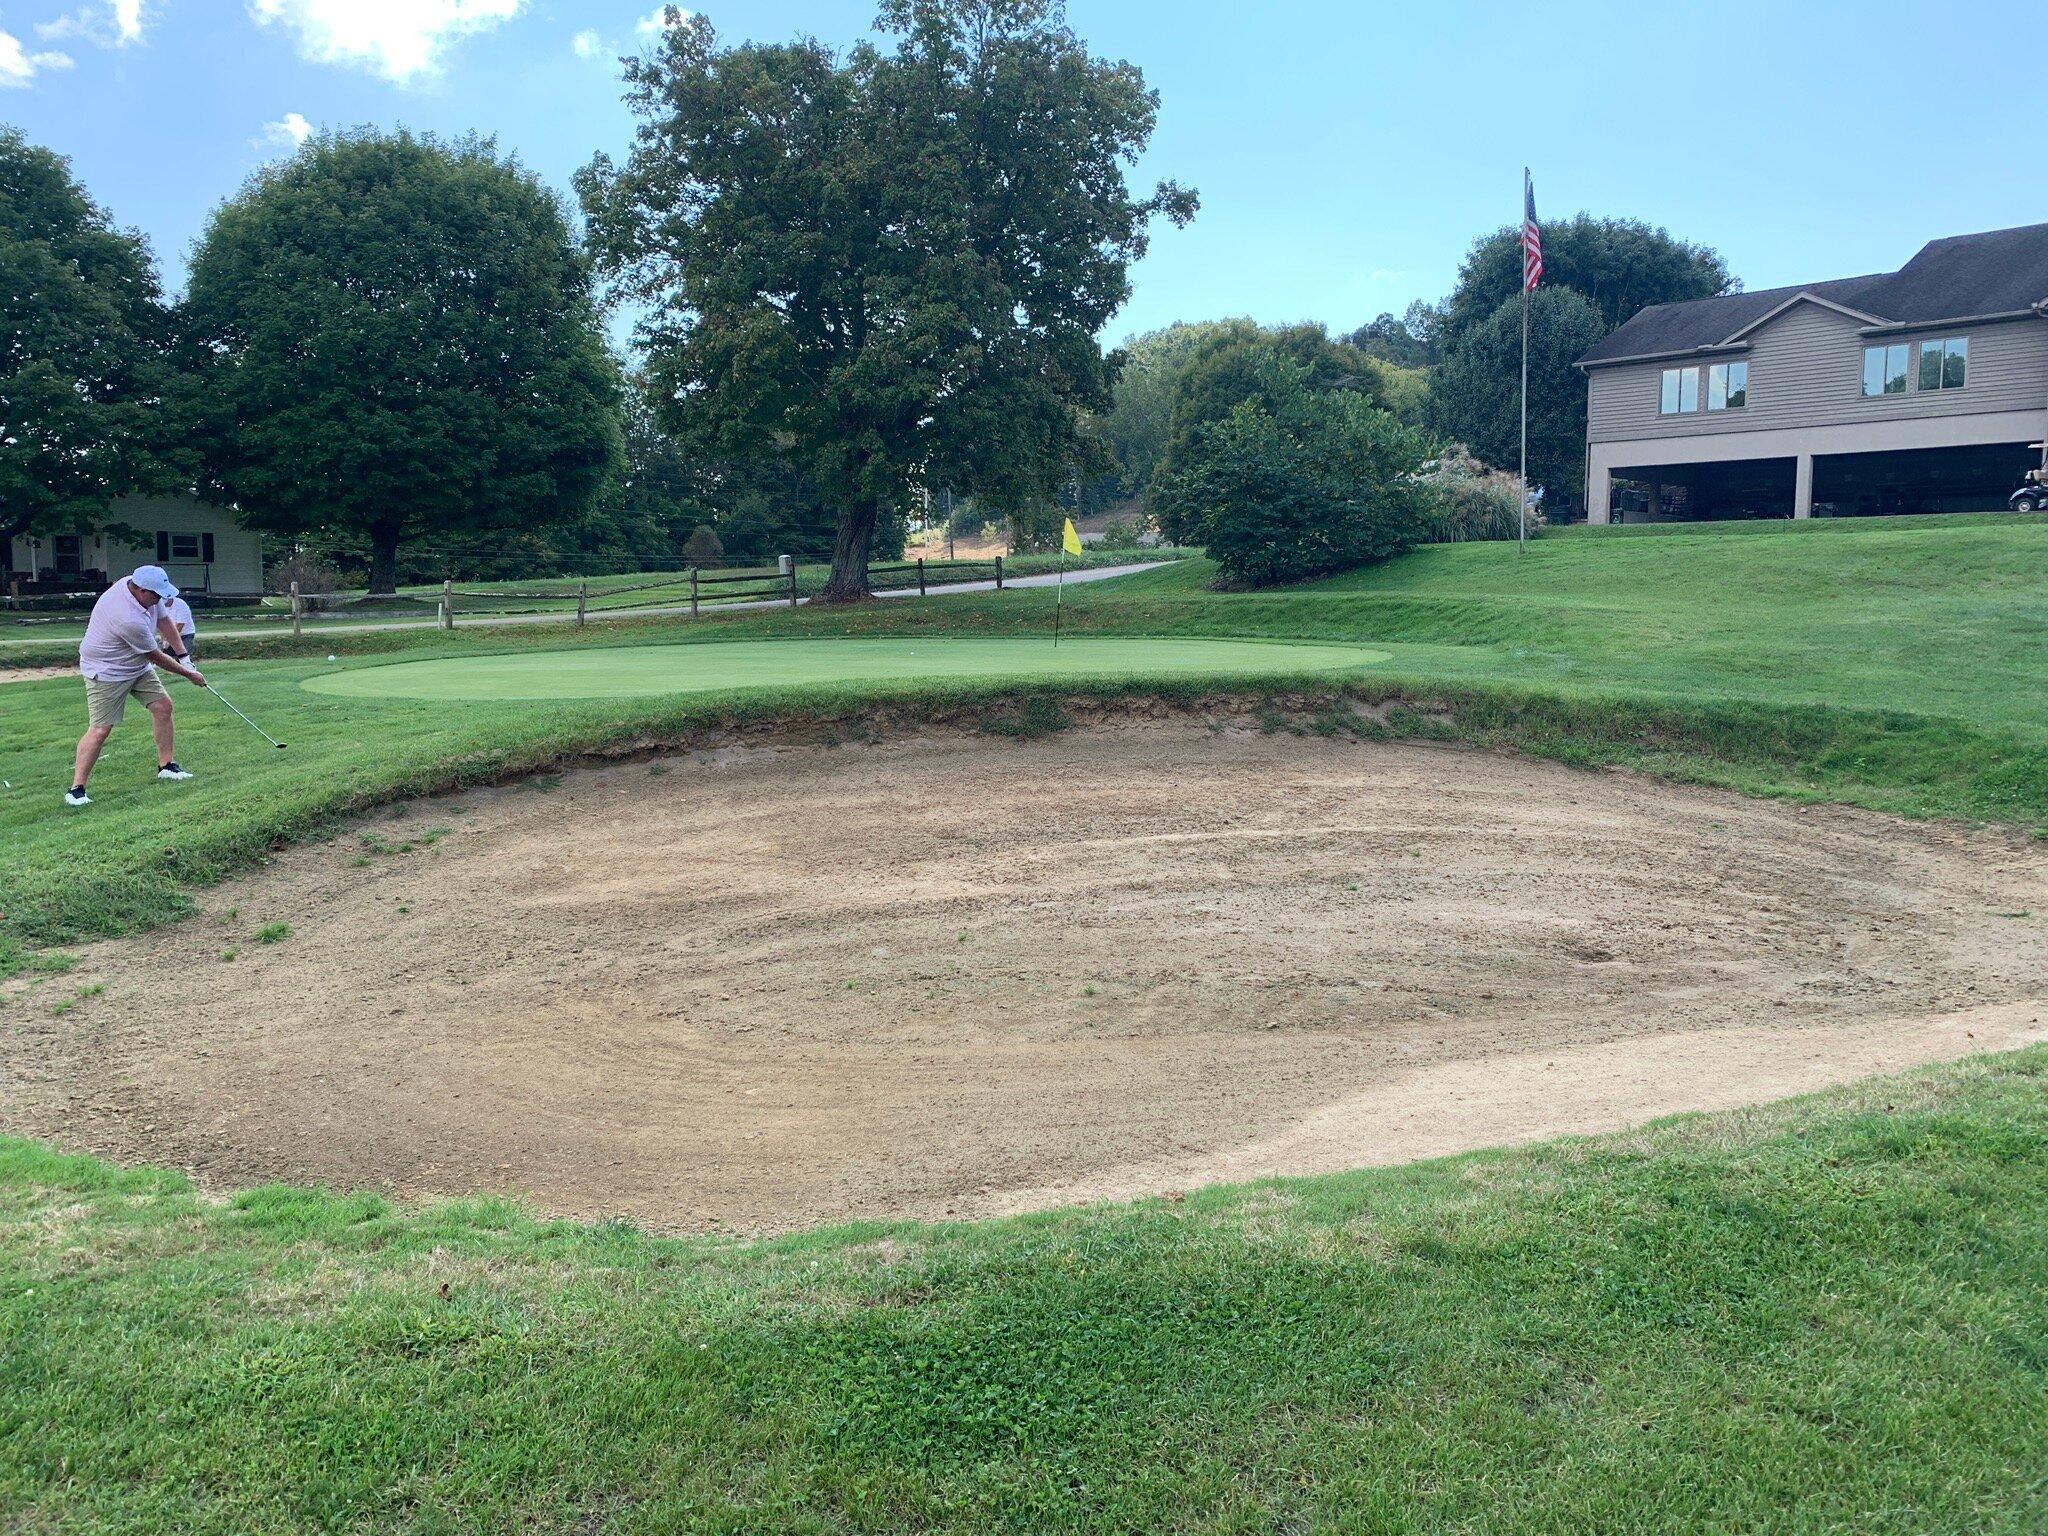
400	341
1476	390
1617	265
84	351
1408	340
1134	428
1236	361
891	267
1597	273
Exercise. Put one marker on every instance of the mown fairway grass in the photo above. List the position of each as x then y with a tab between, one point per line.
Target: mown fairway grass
1821	1317
641	670
1825	1317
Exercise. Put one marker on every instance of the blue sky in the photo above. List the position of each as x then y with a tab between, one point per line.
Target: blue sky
1347	152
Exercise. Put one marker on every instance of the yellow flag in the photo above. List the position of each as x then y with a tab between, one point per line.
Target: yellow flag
1070	541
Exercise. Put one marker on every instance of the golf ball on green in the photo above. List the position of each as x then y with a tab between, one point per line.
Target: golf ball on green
330	658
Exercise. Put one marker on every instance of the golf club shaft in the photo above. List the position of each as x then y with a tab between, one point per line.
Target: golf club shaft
244	718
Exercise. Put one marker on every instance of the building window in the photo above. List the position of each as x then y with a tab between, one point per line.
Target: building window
1727	386
1884	370
67	554
1944	364
184	546
1679	391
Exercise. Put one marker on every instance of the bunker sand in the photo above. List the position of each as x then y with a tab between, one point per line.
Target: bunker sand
767	988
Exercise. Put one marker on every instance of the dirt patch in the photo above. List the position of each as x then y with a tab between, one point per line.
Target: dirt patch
34	674
766	988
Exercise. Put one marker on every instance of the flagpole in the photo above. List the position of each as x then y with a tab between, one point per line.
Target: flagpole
1522	528
1059	602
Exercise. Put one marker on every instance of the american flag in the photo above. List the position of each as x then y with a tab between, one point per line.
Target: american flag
1532	238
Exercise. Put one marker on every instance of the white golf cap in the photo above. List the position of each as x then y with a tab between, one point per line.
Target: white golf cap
151	578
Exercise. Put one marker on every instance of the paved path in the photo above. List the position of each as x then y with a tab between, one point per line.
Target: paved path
333	626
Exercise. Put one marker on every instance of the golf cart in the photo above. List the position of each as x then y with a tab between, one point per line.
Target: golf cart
2033	496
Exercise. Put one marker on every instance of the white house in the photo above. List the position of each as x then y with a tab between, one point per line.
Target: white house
202	547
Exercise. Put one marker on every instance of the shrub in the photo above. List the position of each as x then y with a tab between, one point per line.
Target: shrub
1122	533
1464	500
313	574
703	547
1328	483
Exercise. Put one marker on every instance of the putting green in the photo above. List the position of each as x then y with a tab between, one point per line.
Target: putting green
622	672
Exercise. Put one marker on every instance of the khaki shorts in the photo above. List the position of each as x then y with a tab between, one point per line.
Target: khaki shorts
105	703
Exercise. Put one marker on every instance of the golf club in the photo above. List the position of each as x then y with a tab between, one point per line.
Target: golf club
245	719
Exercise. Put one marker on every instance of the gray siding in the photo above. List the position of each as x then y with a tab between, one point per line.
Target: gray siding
1806	370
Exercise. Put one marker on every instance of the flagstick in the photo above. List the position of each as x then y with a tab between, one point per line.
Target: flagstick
1522	528
1059	602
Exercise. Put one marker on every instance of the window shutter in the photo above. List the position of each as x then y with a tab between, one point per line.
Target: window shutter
206	547
163	546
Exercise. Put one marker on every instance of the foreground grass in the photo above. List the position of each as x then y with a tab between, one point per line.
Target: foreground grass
1821	1317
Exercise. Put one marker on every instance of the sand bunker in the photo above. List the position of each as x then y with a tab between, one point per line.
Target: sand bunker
768	988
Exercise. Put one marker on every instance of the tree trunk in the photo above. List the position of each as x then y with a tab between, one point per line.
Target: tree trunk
848	582
383	561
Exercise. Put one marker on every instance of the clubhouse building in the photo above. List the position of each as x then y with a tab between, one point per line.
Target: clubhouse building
1920	390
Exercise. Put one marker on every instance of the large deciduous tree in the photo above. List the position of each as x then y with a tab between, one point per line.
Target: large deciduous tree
891	266
401	341
1135	427
1476	390
1596	274
1617	265
84	348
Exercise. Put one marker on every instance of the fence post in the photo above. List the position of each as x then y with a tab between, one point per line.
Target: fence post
298	608
792	583
693	592
448	603
582	601
920	575
999	573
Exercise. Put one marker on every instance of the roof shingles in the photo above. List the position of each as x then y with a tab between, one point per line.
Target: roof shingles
1965	276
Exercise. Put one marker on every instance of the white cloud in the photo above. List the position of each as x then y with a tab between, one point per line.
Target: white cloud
397	39
588	44
18	66
288	132
656	21
110	23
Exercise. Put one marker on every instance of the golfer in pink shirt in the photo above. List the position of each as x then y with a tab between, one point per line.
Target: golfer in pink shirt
127	638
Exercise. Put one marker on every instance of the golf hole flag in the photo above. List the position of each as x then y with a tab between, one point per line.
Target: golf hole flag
1070	544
